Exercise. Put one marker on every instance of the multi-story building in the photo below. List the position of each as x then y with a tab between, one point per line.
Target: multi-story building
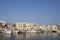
34	26
21	25
26	26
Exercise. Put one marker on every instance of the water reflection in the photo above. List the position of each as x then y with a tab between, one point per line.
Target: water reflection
1	36
31	36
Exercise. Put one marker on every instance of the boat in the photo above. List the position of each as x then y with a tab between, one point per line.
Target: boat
6	31
15	31
31	30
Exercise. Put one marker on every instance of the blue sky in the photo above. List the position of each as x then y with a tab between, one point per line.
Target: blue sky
38	11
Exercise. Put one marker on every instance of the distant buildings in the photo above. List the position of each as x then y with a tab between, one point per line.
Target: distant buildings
50	28
29	26
26	26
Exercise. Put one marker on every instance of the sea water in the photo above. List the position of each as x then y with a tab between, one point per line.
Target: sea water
30	36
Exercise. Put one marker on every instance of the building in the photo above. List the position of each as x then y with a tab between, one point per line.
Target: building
26	26
34	26
10	26
21	25
2	24
40	27
54	28
49	27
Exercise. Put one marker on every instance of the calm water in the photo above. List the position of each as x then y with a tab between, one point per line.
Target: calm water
31	36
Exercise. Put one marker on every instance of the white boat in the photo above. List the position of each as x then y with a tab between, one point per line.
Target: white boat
15	31
7	31
32	30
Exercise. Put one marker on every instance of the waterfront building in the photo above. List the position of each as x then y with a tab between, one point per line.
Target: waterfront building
29	26
41	27
10	26
44	27
59	27
26	26
2	24
35	26
49	27
21	25
54	28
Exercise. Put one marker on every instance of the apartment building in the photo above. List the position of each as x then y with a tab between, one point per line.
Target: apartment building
21	25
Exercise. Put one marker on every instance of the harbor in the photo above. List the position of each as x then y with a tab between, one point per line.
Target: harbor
21	27
28	31
29	19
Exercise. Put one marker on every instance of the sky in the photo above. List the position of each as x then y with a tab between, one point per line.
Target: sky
38	11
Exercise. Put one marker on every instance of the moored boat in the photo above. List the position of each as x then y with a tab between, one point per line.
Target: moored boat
6	31
15	31
31	30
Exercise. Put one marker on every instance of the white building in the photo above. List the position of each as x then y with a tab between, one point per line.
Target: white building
54	28
23	25
2	23
49	27
26	26
41	27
